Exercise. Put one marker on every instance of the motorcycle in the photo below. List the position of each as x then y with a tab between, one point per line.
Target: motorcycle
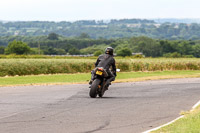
99	85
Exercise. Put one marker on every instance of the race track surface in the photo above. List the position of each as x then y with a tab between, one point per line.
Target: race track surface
125	107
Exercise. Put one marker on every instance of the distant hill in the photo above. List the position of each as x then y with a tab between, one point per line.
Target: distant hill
123	28
176	20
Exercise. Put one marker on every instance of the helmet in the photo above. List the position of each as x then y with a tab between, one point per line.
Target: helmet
109	50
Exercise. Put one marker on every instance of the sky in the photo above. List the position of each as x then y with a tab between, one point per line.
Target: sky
73	10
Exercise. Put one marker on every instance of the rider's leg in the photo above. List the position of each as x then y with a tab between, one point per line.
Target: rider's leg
111	78
92	77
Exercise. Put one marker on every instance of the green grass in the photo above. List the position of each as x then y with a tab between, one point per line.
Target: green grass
45	79
85	77
127	75
190	123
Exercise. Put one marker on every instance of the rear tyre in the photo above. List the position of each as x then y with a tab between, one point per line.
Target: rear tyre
94	88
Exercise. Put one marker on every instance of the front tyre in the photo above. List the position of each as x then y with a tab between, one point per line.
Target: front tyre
103	91
94	88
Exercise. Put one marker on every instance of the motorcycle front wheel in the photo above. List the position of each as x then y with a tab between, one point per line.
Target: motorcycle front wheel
103	91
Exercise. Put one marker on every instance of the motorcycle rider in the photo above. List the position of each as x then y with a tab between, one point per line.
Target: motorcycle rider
106	61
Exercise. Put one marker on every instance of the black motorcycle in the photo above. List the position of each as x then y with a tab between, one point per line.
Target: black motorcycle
98	86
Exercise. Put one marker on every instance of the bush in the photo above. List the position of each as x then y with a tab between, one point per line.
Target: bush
188	56
97	53
138	56
124	52
172	55
74	51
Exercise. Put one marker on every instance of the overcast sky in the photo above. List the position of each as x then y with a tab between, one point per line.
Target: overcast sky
71	10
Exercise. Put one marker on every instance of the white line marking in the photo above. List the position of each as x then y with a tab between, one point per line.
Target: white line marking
148	131
197	104
13	114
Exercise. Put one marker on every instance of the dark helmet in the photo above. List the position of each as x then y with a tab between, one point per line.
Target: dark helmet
109	50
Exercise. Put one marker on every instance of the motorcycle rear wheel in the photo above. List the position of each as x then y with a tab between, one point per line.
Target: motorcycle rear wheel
94	88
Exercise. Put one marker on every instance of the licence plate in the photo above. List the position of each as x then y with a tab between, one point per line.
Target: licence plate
99	73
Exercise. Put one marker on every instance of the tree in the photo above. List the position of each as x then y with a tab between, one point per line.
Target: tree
167	47
124	52
53	36
172	55
17	47
60	51
2	49
97	53
84	35
54	51
50	51
184	48
150	48
196	49
74	51
34	51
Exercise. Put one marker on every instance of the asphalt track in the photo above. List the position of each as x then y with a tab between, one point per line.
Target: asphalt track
125	107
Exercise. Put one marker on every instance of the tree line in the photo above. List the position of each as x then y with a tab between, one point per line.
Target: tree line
102	29
54	44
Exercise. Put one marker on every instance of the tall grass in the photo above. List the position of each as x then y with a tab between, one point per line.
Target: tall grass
13	67
161	64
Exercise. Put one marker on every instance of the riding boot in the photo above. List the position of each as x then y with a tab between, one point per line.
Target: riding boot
90	82
108	82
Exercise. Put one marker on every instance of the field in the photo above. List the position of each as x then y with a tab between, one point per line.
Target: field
12	67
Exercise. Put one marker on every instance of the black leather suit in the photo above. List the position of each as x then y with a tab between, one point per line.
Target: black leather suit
106	61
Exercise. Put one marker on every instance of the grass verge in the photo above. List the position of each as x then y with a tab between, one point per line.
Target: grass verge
85	77
188	124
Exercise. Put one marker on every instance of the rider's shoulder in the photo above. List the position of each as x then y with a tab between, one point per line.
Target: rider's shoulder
102	55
